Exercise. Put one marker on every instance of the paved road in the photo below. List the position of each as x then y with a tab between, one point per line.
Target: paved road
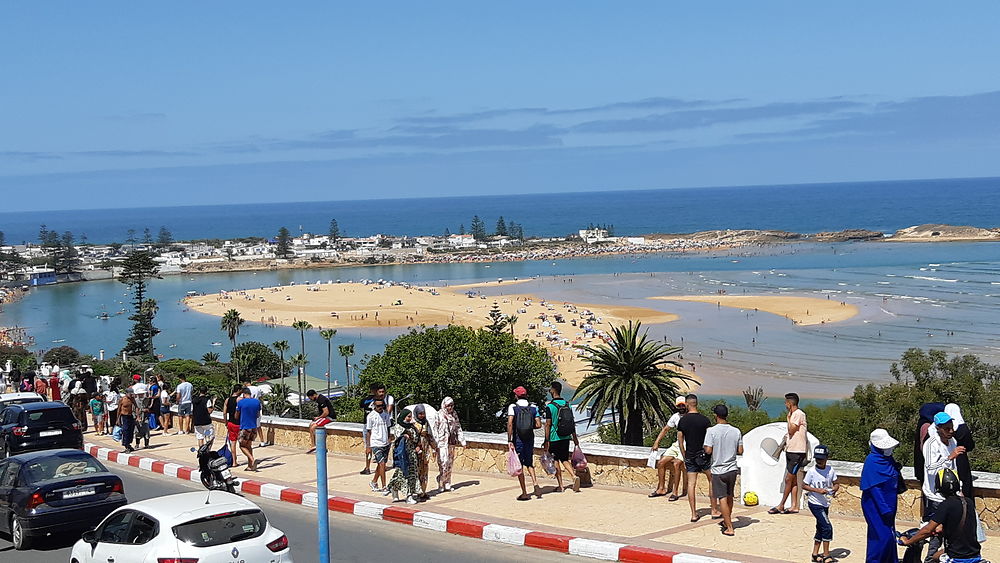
353	538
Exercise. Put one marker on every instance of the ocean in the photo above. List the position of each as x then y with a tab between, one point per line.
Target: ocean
807	208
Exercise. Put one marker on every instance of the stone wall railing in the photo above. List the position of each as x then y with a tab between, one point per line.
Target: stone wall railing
622	466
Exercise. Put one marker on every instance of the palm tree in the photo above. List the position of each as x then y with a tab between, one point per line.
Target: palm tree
231	323
302	327
511	321
635	378
347	350
282	346
300	362
150	308
210	358
328	335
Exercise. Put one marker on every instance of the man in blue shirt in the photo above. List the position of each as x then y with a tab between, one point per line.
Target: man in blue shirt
248	413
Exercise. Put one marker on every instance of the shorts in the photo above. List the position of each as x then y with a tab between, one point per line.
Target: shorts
525	452
724	484
204	432
232	431
559	450
164	410
698	462
246	436
673	451
794	462
184	409
321	421
380	454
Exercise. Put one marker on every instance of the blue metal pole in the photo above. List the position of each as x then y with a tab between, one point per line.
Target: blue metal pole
321	504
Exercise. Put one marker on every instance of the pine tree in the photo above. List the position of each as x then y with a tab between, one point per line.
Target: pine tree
284	243
461	229
478	228
3	239
165	237
65	257
447	233
137	269
147	237
501	227
498	321
334	231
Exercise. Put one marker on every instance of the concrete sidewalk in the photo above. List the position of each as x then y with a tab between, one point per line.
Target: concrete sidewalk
614	514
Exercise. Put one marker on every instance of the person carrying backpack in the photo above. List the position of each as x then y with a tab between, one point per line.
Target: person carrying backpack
522	420
559	428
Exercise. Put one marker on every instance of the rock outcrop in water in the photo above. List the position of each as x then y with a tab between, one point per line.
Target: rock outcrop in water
848	235
933	232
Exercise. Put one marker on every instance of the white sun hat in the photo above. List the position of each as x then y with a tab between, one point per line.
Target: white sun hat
882	440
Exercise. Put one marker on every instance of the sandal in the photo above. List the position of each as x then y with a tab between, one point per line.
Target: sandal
787	511
524	497
655	494
828	559
775	511
673	498
817	558
730	534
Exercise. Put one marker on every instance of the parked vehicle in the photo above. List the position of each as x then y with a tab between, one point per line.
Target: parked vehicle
55	492
31	427
207	527
19	399
214	468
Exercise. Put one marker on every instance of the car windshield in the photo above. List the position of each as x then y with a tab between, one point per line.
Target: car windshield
48	416
61	465
222	528
19	401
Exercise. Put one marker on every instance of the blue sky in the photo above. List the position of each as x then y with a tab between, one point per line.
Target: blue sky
119	104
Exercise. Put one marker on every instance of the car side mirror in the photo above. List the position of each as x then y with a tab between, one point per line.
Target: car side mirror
90	537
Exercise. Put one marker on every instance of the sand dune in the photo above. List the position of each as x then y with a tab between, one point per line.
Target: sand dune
348	305
801	310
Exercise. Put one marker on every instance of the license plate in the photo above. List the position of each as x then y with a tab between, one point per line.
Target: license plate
50	433
226	474
78	493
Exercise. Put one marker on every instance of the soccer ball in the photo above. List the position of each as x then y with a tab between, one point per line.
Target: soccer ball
750	499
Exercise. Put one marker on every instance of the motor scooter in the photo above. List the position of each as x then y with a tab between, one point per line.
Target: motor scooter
214	467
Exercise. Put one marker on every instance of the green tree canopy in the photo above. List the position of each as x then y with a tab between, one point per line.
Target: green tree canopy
477	368
258	361
62	355
284	247
137	269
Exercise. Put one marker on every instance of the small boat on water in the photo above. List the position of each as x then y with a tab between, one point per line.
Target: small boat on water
216	344
104	316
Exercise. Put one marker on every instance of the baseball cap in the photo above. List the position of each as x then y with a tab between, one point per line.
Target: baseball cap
136	377
942	418
520	391
821	452
680	401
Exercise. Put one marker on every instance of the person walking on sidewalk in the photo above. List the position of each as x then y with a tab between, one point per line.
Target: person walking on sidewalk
672	458
97	409
233	421
559	429
257	392
724	442
820	484
377	439
522	420
691	432
425	444
183	395
447	434
201	412
405	452
796	445
325	416
165	414
248	411
111	398
126	418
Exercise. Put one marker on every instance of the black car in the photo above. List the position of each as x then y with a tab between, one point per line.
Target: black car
38	426
55	492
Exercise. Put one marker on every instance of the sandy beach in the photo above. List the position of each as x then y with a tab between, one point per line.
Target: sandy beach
348	305
800	310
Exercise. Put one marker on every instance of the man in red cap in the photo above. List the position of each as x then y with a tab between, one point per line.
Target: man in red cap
522	420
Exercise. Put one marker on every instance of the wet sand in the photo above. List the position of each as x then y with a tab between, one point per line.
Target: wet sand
800	310
355	305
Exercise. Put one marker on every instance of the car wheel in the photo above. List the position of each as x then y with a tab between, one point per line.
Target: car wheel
20	540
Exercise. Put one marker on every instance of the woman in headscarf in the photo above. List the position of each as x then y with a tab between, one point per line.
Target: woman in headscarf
425	442
963	436
447	434
78	403
404	480
879	488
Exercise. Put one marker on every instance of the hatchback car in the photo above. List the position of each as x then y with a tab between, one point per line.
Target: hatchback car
206	526
55	491
19	399
31	427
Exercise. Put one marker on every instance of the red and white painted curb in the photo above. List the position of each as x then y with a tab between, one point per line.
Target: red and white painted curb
608	551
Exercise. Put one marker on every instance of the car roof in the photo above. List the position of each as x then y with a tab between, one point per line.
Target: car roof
184	507
42	406
13	396
31	456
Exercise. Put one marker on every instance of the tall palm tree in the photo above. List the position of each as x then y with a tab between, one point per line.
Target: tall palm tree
633	376
282	346
347	350
302	327
328	335
231	323
511	321
300	361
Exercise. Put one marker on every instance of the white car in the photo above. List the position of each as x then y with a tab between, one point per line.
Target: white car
19	399
186	529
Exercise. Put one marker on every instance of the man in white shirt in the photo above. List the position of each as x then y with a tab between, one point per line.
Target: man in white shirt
940	451
377	439
724	442
183	397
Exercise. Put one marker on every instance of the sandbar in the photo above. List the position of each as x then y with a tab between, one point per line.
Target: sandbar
800	310
356	305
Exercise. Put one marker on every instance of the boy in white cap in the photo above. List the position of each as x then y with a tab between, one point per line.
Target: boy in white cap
671	458
820	484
